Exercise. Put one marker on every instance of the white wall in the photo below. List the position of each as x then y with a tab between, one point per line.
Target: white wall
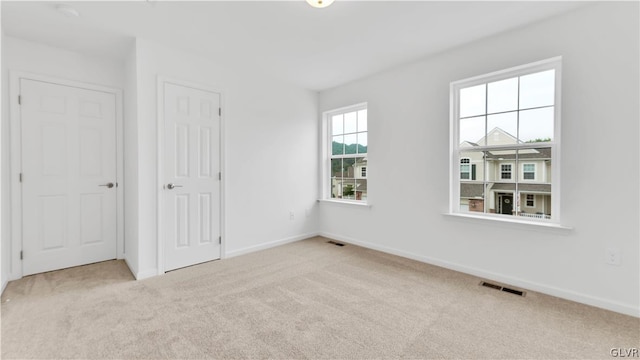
409	162
270	139
21	55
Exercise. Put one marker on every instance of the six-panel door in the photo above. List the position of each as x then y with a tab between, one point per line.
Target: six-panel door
191	219
68	137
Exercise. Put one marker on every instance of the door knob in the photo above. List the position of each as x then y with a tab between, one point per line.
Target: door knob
109	185
171	186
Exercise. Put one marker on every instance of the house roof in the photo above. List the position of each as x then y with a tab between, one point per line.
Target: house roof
471	190
523	187
475	190
538	153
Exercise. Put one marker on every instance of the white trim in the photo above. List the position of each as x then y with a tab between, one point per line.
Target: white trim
626	309
161	81
146	274
4	285
15	115
345	202
269	245
530	68
516	221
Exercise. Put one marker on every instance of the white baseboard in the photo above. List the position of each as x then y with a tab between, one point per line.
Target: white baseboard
139	275
264	246
4	285
146	274
524	284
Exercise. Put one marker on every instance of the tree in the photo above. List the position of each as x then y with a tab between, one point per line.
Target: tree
539	140
348	190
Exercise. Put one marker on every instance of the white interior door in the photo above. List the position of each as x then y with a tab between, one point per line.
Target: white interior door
68	161
191	176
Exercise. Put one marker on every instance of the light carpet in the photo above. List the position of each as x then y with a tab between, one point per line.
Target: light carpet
305	300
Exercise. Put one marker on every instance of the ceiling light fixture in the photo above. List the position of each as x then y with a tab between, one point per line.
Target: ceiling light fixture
67	10
320	3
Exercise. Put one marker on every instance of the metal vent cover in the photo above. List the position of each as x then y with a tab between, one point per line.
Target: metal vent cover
502	288
335	243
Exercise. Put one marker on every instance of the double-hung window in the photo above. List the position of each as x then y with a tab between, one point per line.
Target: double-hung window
347	144
529	171
507	125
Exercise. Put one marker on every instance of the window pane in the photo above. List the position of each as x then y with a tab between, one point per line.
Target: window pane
472	130
500	165
535	206
337	125
336	168
475	162
472	196
349	167
537	89
337	145
472	101
502	129
362	143
502	96
350	144
501	198
361	189
538	163
350	122
349	189
536	125
540	187
362	120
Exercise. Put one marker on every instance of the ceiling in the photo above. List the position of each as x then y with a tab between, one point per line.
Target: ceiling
313	48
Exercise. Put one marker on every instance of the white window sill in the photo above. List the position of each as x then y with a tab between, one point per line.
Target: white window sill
345	202
506	220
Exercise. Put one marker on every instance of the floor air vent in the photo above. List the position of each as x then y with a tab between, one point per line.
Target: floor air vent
501	288
335	243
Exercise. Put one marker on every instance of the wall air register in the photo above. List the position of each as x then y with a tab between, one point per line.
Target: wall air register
502	288
335	243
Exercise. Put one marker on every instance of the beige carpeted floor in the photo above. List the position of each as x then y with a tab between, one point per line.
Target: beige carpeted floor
305	300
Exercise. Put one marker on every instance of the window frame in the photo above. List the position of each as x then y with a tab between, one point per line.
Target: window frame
554	63
326	155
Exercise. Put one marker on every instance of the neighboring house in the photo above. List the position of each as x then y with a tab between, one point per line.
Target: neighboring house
501	182
351	182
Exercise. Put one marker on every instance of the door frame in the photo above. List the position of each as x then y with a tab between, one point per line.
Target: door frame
15	115
161	81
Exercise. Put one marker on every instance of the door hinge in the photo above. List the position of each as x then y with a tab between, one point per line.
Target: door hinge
219	176
19	99
219	111
219	239
20	177
21	255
